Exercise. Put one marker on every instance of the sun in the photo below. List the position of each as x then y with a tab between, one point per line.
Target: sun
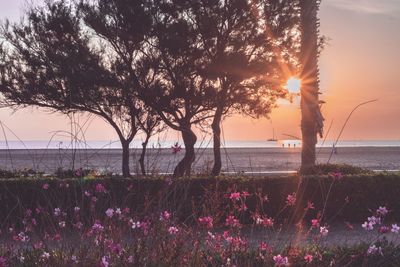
293	85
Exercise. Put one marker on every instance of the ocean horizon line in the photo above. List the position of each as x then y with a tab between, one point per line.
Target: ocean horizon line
103	144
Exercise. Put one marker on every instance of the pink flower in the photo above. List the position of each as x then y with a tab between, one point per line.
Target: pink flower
323	230
267	222
105	261
382	211
291	199
232	222
165	216
3	261
173	230
110	213
280	261
206	221
367	226
234	196
308	258
57	212
395	229
245	194
46	186
372	250
264	247
384	229
315	223
310	206
100	188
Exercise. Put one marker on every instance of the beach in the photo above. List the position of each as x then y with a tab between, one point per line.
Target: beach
163	160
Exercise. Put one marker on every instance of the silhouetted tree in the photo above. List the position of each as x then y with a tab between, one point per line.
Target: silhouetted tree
66	58
246	54
312	120
179	94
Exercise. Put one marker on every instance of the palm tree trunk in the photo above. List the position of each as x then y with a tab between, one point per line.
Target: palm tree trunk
312	121
216	127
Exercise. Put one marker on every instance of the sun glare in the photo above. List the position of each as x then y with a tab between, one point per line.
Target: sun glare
293	85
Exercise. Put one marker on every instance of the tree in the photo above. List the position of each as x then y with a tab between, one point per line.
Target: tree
177	91
312	120
62	60
245	55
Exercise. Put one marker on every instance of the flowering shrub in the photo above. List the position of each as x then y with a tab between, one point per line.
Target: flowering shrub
100	223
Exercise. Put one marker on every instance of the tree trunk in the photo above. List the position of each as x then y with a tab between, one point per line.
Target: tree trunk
216	127
312	121
125	158
143	154
184	166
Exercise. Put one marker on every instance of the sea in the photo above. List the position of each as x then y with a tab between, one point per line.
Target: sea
115	144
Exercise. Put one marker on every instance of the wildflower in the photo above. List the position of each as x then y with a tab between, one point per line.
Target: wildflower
87	193
57	212
206	221
280	261
211	235
245	194
3	261
118	211
395	229
234	196
173	230
232	222
374	220
165	216
78	225
176	148
382	211
134	225
110	213
100	188
45	255
267	222
384	229
77	209
130	259
74	259
315	223
291	199
323	230
97	227
21	259
308	258
373	250
310	206
23	237
61	224
367	226
45	186
264	246
105	261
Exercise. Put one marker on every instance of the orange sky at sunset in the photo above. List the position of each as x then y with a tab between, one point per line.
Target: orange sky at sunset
361	62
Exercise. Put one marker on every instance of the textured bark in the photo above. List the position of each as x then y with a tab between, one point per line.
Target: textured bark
216	127
311	122
142	155
125	159
184	166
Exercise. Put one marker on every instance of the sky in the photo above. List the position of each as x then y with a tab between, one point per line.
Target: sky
360	63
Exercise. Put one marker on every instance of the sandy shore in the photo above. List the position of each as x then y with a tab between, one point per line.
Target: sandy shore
163	160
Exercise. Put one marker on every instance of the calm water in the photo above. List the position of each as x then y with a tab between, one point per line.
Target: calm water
204	144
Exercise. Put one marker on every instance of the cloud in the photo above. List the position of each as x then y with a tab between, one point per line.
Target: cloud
367	6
